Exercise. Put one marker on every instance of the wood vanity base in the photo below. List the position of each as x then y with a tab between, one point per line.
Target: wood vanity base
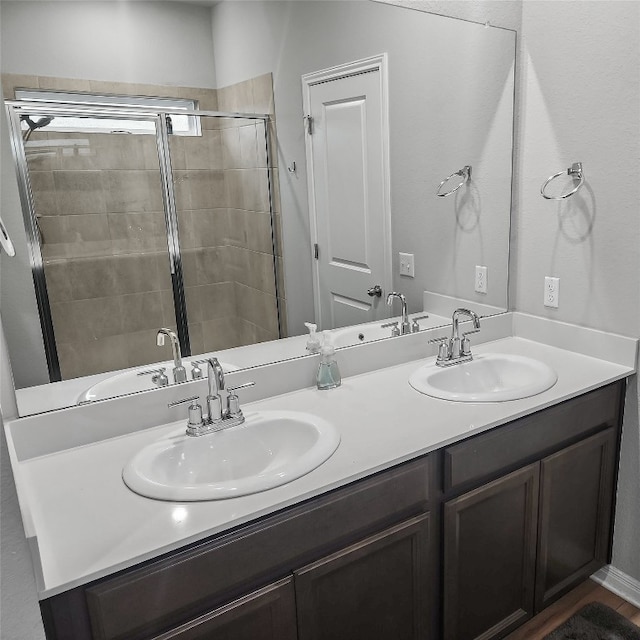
466	543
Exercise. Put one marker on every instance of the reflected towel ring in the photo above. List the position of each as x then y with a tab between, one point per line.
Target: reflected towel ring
464	173
574	170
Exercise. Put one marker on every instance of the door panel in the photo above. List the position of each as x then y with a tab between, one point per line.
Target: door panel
576	500
489	557
378	588
348	187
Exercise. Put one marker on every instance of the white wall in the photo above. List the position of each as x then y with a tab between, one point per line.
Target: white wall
141	42
580	97
450	105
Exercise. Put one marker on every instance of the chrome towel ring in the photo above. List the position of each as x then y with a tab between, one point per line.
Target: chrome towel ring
464	173
574	170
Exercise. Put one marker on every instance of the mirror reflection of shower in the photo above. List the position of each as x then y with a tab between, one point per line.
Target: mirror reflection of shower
169	227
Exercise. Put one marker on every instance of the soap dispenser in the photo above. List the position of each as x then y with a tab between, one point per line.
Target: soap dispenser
328	373
313	343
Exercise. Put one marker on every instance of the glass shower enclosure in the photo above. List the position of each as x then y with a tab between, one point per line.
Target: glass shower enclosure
142	218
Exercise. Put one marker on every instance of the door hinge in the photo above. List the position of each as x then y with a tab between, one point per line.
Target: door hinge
316	251
309	121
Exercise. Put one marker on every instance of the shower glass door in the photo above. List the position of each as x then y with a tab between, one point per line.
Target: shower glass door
226	233
98	239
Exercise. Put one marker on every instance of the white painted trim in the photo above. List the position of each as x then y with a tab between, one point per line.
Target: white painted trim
373	63
619	583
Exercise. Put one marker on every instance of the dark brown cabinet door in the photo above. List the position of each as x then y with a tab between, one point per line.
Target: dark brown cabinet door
489	557
266	614
576	494
379	588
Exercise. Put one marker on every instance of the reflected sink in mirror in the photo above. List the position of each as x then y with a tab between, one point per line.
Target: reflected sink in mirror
270	449
371	331
491	377
135	380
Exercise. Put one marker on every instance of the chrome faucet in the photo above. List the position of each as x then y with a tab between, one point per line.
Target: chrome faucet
179	372
405	325
215	377
217	419
455	350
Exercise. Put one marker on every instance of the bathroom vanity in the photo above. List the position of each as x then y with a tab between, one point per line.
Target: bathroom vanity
432	519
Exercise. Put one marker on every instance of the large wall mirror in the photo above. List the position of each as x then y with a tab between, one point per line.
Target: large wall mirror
233	171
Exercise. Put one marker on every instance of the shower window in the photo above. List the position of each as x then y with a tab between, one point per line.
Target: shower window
181	125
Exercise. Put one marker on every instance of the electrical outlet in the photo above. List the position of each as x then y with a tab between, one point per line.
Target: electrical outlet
407	266
481	279
551	292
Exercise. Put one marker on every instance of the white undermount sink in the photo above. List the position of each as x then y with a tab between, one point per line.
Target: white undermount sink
491	377
271	448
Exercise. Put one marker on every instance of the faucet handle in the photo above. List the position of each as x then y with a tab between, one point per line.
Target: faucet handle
465	343
158	376
415	326
176	403
443	349
196	371
195	422
233	402
149	372
395	331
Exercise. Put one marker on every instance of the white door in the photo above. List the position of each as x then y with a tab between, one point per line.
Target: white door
347	149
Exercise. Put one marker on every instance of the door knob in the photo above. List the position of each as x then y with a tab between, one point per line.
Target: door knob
375	292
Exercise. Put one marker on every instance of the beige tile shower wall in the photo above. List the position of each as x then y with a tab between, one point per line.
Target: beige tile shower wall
101	218
247	174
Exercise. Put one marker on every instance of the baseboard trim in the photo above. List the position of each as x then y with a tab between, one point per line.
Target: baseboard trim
619	583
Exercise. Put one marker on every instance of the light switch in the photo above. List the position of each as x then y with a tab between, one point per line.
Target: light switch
407	266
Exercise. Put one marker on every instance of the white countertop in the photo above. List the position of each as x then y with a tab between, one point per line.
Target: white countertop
84	523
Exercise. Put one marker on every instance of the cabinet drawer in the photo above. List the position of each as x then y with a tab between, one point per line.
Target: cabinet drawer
170	591
266	614
486	455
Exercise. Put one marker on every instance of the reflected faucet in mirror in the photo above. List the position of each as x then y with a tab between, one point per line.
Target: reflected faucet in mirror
179	372
405	325
158	376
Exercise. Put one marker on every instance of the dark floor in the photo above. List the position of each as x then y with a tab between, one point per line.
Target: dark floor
552	617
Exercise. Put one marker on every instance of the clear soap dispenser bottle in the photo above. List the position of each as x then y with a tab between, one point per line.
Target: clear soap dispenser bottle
313	342
328	373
